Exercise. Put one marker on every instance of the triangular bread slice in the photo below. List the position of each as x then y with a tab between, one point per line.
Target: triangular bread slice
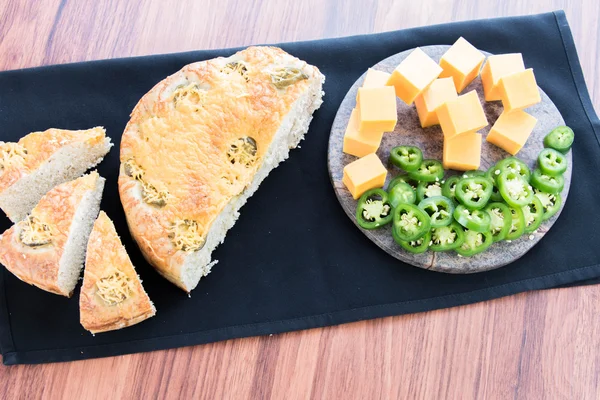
42	160
47	248
112	296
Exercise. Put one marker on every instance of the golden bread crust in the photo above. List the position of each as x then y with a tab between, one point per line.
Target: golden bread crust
107	264
39	265
196	140
37	147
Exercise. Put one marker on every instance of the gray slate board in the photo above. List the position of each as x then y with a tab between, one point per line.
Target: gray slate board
409	132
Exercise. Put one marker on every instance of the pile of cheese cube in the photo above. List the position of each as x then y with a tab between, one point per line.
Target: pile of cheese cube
434	89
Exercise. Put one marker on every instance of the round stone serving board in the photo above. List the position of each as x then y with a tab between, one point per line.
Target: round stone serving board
409	132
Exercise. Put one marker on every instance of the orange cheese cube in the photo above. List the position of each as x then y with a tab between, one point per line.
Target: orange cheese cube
413	75
364	174
374	78
497	67
462	152
519	90
463	114
511	130
439	92
461	62
377	109
360	144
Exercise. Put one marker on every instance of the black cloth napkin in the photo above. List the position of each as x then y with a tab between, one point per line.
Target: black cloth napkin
294	260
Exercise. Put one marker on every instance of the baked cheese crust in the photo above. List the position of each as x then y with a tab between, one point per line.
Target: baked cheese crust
195	142
112	296
32	248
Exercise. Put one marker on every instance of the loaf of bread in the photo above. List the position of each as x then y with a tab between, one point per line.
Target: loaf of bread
112	296
199	144
42	160
47	248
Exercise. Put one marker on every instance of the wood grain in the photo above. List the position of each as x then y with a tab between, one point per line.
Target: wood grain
529	346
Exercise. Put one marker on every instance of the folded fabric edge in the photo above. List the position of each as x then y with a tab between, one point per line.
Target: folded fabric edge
301	323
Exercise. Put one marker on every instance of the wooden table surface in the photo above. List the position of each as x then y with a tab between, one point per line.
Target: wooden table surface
530	346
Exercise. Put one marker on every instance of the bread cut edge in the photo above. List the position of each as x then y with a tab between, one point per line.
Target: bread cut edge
291	131
66	164
73	257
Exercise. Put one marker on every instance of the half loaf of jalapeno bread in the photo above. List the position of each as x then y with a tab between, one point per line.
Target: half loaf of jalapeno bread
199	144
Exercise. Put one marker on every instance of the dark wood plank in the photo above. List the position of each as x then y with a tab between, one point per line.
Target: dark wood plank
534	345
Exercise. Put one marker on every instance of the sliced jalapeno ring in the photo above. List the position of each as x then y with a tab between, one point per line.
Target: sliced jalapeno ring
517	224
475	192
449	187
447	238
500	220
408	158
401	192
547	183
550	202
410	222
560	139
473	173
402	178
416	246
476	220
509	164
475	243
428	171
428	189
515	190
439	209
373	209
552	162
533	214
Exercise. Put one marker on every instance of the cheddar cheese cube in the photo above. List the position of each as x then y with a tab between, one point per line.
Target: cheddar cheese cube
511	130
439	92
358	143
461	62
375	78
463	114
519	90
377	109
496	67
413	75
364	174
462	152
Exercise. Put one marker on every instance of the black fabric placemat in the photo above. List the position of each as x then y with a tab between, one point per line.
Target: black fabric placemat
293	260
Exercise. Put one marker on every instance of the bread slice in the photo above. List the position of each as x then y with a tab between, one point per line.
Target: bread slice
42	160
199	144
112	296
47	248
